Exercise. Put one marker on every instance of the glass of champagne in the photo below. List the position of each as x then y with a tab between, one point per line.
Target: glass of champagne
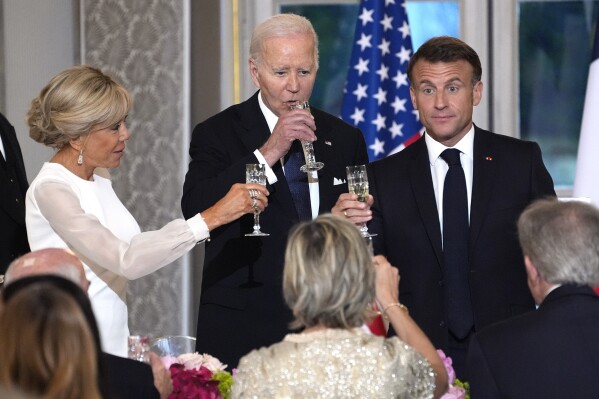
254	173
357	183
311	164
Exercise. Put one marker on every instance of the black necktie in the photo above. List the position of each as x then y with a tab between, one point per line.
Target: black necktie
298	181
455	247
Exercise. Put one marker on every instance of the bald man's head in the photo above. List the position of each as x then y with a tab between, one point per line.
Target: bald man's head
56	261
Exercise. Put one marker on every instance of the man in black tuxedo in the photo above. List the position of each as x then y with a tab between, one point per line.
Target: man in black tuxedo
552	352
241	305
499	177
13	181
120	378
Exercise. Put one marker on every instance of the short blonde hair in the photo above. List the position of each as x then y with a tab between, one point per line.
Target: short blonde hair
328	277
281	25
73	102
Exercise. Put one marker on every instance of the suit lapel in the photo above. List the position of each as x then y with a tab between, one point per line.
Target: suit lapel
421	180
324	151
254	130
484	169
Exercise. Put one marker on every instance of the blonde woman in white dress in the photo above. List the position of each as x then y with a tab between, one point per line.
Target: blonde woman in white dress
81	113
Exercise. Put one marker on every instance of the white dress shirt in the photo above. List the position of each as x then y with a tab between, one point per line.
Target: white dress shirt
439	167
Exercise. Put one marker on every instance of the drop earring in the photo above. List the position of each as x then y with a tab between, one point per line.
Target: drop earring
80	158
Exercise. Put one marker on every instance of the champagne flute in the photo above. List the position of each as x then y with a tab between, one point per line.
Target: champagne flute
254	173
357	183
311	164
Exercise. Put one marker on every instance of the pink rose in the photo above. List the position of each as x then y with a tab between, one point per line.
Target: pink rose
213	364
191	360
454	393
447	362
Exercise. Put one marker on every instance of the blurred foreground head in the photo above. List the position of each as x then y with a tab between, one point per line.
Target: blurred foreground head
562	240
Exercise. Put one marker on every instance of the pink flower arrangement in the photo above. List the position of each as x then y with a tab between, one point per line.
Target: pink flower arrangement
197	376
457	389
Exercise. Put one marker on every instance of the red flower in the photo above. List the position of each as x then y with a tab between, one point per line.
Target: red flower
193	384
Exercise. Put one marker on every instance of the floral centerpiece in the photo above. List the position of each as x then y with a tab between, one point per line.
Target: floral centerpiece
197	376
457	389
194	376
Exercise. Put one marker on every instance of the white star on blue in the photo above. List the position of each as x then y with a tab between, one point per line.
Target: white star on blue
377	95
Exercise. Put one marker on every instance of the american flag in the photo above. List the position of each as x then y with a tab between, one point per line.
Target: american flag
377	93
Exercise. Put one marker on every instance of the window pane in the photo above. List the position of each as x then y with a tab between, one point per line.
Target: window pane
555	43
335	25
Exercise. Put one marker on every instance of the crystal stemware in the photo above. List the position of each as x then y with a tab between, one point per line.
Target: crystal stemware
254	173
311	163
357	183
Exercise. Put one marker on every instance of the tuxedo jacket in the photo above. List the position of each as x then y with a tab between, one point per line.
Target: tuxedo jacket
552	352
13	186
507	175
241	305
127	379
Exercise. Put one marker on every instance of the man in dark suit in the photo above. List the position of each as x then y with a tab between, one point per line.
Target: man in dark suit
241	305
500	176
552	352
120	378
13	182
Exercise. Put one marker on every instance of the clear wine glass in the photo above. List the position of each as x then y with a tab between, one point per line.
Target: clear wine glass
357	183
254	173
311	164
139	348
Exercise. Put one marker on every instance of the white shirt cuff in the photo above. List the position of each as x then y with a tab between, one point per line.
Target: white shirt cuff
270	175
199	228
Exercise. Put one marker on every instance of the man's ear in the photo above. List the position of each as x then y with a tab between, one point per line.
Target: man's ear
531	269
254	72
413	98
477	93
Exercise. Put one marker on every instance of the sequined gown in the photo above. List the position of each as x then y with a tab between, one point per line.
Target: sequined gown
334	363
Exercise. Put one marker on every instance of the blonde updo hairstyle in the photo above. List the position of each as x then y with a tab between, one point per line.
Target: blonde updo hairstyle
73	102
329	276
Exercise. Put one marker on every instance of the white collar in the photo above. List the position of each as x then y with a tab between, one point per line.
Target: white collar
465	145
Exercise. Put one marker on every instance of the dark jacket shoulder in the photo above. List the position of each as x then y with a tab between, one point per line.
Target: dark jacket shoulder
128	379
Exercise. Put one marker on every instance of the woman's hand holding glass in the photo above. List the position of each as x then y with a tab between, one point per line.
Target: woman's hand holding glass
237	202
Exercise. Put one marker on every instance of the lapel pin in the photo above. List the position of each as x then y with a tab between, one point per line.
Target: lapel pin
328	143
488	158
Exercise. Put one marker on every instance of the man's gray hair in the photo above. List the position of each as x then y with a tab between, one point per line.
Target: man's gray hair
562	240
281	25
